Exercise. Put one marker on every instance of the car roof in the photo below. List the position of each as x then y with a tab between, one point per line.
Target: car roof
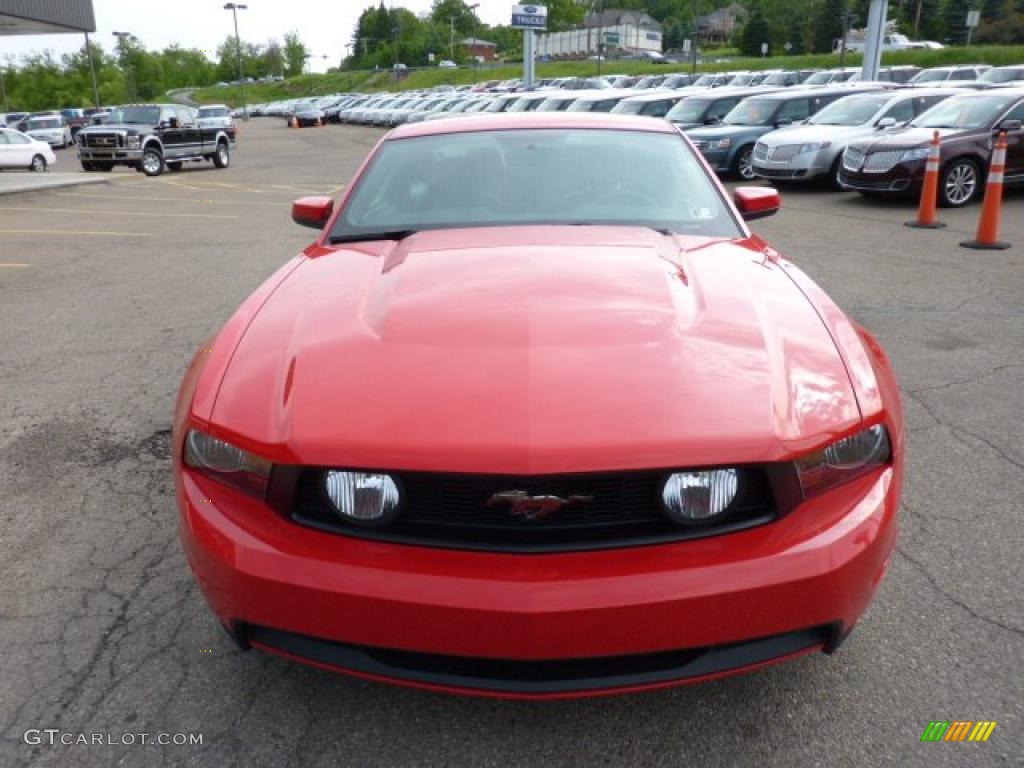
657	95
510	121
840	90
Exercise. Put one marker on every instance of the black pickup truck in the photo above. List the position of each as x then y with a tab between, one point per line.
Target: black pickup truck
150	138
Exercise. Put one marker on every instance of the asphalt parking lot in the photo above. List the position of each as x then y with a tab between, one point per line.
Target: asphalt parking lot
106	291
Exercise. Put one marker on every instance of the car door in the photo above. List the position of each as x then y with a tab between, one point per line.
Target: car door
6	150
191	135
172	134
19	149
1015	145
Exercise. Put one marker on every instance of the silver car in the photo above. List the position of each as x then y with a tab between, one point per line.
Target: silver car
53	129
813	149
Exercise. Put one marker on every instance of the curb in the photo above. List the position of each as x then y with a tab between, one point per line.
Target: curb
56	184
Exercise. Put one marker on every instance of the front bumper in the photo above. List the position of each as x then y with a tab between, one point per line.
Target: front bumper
115	155
901	179
802	167
484	623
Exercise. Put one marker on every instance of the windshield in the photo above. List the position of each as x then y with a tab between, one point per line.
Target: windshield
689	111
526	105
1002	75
932	76
43	123
213	112
628	108
742	80
779	78
556	105
593	105
752	112
542	176
819	78
851	110
963	113
706	81
144	115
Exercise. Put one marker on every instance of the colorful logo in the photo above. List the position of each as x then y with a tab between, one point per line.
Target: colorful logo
958	730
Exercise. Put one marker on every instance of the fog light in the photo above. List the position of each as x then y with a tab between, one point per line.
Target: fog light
363	498
692	498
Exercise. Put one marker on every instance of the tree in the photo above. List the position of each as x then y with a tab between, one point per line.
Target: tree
827	25
563	15
796	36
755	32
294	54
954	13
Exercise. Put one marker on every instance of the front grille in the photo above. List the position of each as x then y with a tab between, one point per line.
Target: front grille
785	153
880	162
104	140
451	510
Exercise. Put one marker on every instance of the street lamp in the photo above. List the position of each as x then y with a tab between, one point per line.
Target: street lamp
235	8
121	36
472	49
92	72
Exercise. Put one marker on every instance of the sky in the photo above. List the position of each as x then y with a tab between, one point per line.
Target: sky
325	26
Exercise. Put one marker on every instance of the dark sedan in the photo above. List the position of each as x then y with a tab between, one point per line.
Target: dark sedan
893	163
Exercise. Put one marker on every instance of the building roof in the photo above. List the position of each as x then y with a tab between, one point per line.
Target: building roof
614	17
35	17
476	42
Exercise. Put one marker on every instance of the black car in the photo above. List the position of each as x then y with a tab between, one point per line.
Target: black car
151	137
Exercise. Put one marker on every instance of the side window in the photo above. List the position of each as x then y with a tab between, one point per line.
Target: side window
902	111
722	108
1017	113
795	110
16	138
184	116
964	74
658	108
3	138
924	103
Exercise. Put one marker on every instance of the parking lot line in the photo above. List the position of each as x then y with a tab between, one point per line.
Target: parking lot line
149	198
94	211
74	232
14	266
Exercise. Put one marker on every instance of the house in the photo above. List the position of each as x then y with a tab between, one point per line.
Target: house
613	17
481	49
719	26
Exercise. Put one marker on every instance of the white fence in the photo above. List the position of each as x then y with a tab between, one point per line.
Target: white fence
584	42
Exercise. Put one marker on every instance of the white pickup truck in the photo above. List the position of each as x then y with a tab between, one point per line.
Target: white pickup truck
856	41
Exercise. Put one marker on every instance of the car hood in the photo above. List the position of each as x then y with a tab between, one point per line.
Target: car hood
714	132
536	350
804	134
908	138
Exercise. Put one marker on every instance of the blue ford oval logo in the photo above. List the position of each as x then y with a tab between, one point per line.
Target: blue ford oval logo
529	9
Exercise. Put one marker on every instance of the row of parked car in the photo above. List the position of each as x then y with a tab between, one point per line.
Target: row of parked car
828	126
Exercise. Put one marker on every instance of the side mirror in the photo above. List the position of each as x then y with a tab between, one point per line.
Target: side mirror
756	202
783	123
1009	126
312	211
712	121
886	122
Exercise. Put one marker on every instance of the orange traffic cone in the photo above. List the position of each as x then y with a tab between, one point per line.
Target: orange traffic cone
294	122
926	218
987	237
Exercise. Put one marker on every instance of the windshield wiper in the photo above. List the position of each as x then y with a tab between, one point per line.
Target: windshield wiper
391	234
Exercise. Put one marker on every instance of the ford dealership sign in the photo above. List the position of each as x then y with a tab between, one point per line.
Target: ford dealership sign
529	17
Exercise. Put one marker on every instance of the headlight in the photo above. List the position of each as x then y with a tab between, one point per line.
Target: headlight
363	498
921	153
719	144
691	498
133	142
844	460
226	462
814	146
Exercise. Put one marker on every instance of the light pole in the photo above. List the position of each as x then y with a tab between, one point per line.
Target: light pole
235	8
3	91
476	40
92	71
124	62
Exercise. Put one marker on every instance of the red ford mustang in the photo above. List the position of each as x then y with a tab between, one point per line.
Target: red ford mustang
538	416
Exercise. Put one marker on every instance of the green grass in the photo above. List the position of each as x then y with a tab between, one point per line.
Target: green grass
335	82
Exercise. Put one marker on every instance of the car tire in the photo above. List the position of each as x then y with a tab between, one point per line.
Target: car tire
38	164
959	183
88	166
152	163
104	167
174	165
222	157
743	164
833	174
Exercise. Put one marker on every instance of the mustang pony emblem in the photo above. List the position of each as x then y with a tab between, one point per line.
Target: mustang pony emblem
529	507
